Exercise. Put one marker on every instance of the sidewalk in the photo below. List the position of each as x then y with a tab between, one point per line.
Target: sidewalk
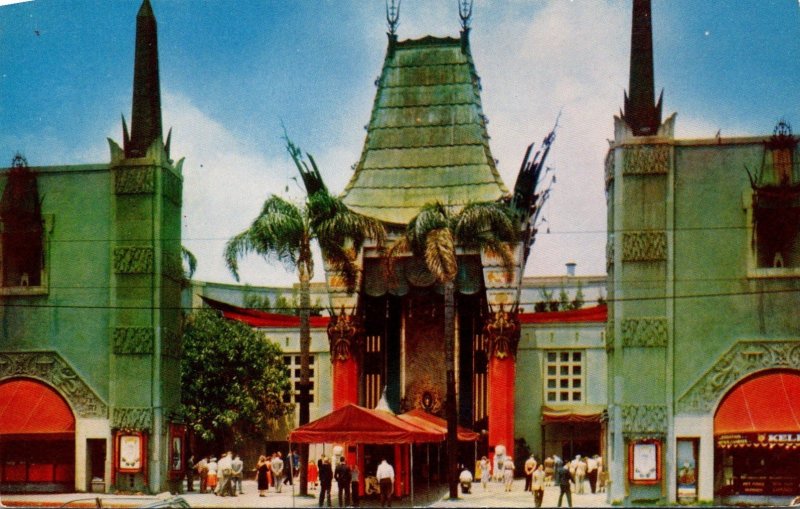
494	496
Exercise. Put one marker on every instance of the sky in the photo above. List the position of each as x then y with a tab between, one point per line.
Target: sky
234	71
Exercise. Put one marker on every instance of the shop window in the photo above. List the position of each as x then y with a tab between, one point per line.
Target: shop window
22	241
292	364
563	379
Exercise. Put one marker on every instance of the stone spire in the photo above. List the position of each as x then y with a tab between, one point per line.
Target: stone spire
146	114
642	114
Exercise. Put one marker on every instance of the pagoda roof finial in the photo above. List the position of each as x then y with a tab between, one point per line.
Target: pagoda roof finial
642	113
393	15
465	13
146	109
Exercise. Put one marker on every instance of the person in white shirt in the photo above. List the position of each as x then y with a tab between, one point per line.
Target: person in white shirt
385	475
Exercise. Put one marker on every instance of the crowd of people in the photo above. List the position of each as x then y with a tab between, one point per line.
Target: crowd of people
571	476
223	476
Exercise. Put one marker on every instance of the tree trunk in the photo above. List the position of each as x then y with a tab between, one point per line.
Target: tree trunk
451	406
305	346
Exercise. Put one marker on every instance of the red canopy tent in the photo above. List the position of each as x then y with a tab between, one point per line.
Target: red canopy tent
355	424
422	418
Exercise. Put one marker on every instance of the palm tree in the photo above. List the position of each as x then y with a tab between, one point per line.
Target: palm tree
434	234
284	232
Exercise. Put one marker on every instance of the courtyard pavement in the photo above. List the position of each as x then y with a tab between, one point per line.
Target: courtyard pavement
493	496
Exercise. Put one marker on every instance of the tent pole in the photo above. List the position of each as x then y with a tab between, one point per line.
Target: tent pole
428	459
411	470
291	471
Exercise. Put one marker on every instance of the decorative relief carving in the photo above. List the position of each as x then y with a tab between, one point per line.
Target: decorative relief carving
134	180
609	335
610	251
51	368
424	394
503	331
644	246
644	419
133	340
646	160
133	260
645	332
741	360
172	187
343	332
132	418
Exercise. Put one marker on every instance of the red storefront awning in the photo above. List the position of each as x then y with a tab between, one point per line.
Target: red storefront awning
256	318
576	413
436	424
768	403
31	408
354	424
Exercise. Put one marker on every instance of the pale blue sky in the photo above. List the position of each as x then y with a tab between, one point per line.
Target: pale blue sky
232	70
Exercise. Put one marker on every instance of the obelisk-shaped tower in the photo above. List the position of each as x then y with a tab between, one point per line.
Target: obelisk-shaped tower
642	113
146	111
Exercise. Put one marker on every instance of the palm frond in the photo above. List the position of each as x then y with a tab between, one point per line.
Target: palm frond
190	260
277	233
440	254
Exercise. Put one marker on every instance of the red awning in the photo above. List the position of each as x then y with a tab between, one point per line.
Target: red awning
583	315
765	403
256	318
32	408
355	424
577	413
437	424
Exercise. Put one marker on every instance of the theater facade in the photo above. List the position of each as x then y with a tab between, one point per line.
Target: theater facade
703	279
90	310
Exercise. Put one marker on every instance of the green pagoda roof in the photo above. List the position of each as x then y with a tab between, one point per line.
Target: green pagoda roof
426	140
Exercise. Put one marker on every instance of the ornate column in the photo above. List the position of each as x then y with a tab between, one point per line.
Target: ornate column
503	332
345	335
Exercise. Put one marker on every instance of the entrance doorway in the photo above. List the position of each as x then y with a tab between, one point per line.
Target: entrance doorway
37	439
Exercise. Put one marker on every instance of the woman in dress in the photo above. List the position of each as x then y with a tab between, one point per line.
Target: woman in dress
313	475
212	474
485	471
508	472
261	475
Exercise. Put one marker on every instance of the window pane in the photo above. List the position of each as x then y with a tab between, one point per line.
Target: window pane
576	370
551	396
576	383
297	359
564	356
297	373
287	359
551	383
564	383
551	370
564	396
564	370
310	359
576	396
551	356
576	356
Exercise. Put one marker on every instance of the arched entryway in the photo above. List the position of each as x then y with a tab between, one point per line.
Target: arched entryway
37	438
757	439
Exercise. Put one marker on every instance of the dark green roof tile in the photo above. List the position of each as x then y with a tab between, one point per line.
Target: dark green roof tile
426	140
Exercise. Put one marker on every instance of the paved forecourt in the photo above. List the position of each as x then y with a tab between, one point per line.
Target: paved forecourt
493	496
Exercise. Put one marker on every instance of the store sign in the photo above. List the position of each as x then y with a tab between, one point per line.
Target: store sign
758	440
